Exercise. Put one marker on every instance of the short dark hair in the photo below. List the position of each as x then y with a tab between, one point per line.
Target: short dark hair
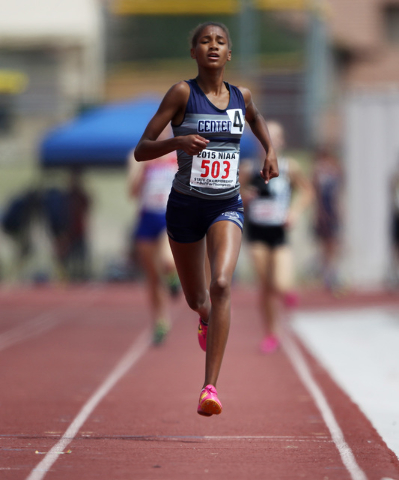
197	32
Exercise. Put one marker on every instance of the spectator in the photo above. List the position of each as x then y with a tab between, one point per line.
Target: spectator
328	184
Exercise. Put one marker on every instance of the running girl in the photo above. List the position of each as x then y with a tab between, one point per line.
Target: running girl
205	211
150	184
271	211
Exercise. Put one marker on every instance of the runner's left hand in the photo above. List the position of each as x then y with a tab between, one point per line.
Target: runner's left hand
270	167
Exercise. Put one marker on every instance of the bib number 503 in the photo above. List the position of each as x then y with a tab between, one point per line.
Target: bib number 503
214	168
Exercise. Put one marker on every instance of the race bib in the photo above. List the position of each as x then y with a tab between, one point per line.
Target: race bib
265	211
214	169
156	189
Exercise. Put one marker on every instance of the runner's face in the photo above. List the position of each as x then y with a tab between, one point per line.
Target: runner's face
212	48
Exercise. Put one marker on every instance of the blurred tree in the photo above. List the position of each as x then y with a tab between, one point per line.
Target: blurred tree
155	37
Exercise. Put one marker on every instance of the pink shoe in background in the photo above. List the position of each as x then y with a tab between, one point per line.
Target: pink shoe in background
291	299
269	344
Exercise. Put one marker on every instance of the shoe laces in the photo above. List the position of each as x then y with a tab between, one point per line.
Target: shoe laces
210	389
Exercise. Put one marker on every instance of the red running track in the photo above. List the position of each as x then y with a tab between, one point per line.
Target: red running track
85	396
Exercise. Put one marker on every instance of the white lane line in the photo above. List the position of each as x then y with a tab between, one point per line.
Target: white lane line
91	436
135	352
41	323
268	437
197	438
33	328
300	365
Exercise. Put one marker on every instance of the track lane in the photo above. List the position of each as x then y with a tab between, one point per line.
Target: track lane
270	427
49	378
38	311
147	426
134	353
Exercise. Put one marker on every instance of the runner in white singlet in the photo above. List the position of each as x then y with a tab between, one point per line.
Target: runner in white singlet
272	210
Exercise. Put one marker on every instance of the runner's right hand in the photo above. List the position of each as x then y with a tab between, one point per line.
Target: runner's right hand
192	144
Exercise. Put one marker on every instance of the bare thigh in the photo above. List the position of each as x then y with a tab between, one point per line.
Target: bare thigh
261	256
223	243
273	266
190	264
283	272
149	257
166	252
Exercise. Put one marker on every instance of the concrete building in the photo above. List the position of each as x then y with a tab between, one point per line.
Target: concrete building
360	117
365	35
51	63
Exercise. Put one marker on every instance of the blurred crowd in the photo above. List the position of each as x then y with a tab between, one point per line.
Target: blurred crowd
63	214
64	217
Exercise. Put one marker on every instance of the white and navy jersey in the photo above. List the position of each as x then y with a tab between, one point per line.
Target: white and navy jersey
213	173
270	207
156	182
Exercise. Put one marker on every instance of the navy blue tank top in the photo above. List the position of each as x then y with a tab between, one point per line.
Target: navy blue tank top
214	172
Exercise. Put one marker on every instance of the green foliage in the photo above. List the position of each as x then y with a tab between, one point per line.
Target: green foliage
154	37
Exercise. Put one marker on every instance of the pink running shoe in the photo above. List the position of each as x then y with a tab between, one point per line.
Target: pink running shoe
202	331
209	404
291	299
269	344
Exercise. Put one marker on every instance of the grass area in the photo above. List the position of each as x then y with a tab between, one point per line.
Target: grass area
15	179
113	215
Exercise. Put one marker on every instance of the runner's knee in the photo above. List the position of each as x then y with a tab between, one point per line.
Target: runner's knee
220	288
195	301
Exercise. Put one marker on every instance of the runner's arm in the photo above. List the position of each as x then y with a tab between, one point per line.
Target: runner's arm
135	176
259	128
302	189
172	108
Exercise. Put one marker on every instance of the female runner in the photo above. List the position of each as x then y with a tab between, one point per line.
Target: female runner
205	212
271	211
150	184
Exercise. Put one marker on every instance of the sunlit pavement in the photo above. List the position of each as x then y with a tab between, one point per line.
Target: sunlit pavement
360	349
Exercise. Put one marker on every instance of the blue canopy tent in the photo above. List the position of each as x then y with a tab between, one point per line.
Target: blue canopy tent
105	135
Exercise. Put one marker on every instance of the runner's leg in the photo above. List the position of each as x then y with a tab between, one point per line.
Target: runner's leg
190	265
262	259
149	254
223	244
283	269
